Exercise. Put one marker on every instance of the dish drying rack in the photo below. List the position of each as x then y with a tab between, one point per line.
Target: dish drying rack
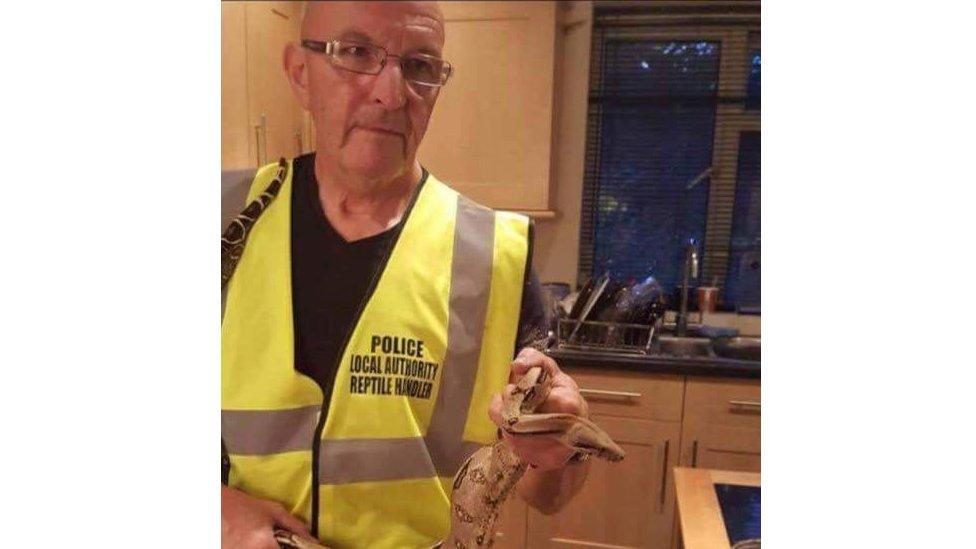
613	337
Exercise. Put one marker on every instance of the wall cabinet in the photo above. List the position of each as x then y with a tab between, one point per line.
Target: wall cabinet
661	421
490	135
261	120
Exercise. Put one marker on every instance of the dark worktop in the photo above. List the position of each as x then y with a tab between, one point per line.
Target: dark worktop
658	364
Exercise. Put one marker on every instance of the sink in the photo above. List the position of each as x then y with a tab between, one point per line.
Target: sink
742	348
739	348
683	346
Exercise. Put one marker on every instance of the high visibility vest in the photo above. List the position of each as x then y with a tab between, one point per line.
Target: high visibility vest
433	343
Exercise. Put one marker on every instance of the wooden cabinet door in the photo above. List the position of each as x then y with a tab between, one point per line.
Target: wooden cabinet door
723	448
490	135
234	122
625	504
722	425
275	116
261	120
511	525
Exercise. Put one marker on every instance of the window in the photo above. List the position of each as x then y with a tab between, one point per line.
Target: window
752	85
742	282
673	146
658	113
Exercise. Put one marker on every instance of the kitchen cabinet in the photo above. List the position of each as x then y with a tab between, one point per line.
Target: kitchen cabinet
630	503
490	135
661	421
261	120
511	524
721	428
625	504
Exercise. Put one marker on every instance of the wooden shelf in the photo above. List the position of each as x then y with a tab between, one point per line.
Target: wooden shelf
536	214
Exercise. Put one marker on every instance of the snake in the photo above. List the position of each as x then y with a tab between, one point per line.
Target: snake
486	479
234	237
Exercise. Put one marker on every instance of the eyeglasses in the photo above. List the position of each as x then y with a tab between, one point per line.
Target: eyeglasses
417	68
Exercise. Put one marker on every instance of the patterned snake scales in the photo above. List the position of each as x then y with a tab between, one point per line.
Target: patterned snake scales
486	479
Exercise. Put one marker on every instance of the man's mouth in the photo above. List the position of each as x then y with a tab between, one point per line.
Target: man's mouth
386	131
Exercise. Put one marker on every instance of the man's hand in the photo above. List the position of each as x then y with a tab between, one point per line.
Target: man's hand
542	453
248	523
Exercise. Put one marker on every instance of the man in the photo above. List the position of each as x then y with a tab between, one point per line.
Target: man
362	347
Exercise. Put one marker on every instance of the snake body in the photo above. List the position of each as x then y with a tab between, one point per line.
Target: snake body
486	479
234	238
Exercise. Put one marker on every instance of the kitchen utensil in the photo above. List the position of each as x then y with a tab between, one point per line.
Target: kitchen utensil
599	286
742	348
582	297
707	298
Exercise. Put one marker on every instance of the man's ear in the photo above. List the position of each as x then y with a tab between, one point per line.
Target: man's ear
296	70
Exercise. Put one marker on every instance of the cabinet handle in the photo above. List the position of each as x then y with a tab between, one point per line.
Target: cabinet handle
745	405
694	454
261	152
664	471
264	130
604	393
257	145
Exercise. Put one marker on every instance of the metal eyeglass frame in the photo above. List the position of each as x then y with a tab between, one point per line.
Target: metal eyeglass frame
329	48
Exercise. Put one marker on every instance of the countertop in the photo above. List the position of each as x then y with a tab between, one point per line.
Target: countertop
699	511
658	364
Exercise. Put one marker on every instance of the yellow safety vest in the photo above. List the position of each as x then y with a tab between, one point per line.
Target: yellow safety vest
432	345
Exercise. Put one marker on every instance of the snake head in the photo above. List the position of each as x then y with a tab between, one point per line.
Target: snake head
525	396
588	438
535	388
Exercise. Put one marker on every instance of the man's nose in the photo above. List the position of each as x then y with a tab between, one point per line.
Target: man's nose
389	87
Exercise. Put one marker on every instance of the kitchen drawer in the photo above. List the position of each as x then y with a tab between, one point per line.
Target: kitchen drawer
729	402
630	394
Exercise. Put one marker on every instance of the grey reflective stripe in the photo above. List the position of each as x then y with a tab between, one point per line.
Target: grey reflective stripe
442	451
474	241
374	460
262	432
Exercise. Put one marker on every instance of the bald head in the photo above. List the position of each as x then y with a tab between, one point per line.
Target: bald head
317	14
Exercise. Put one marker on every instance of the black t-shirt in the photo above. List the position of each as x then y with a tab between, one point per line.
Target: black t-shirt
330	279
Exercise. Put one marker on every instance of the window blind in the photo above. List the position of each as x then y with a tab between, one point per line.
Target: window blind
743	281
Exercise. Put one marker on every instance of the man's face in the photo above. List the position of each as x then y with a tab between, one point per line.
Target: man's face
371	125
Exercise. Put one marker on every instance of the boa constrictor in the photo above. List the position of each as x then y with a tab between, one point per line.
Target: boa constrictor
486	479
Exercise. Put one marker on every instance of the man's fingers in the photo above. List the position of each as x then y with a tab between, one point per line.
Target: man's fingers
264	539
541	452
286	520
566	380
530	358
565	399
565	395
495	409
